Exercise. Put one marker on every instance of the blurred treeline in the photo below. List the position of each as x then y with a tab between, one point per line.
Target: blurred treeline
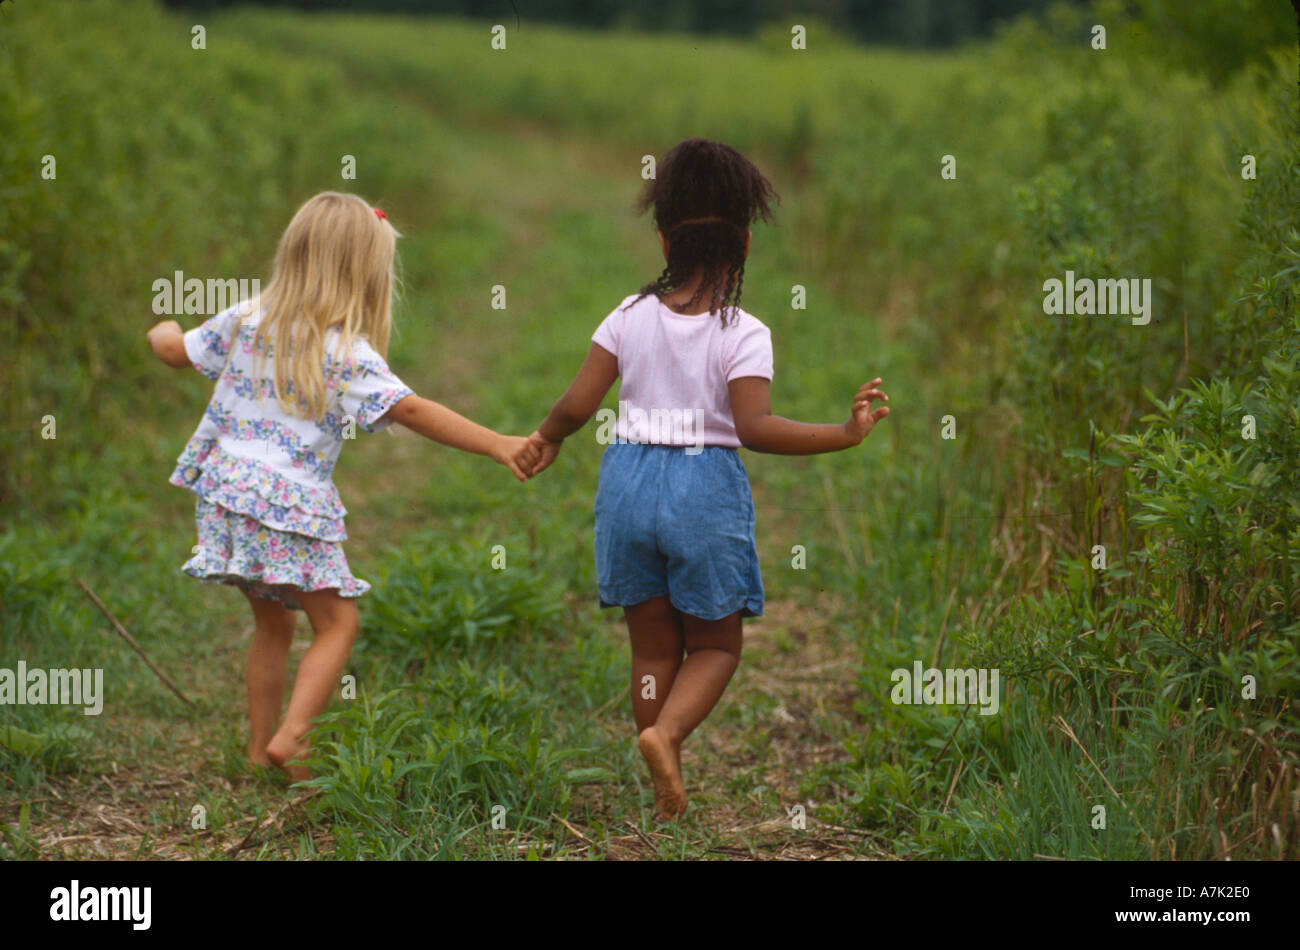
1216	33
908	22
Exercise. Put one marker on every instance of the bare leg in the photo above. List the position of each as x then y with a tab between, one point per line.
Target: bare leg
268	657
336	623
712	655
655	628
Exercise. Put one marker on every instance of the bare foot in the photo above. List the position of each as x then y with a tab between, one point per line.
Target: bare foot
257	756
284	754
665	772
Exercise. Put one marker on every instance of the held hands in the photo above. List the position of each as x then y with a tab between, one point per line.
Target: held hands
861	419
517	454
525	457
541	453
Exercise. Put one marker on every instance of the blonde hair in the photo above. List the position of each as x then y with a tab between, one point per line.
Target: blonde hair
333	270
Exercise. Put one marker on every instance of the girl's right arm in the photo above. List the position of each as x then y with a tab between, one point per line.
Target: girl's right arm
578	404
760	431
435	421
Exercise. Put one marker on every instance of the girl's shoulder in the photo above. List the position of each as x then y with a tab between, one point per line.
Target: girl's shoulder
360	348
243	318
359	357
746	322
743	323
636	302
631	306
248	312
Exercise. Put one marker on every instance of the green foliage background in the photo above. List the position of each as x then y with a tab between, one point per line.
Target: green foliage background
1123	686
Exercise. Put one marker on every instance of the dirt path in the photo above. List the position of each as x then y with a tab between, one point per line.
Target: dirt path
794	686
797	693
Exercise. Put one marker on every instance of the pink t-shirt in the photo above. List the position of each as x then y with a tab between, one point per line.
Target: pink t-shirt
675	369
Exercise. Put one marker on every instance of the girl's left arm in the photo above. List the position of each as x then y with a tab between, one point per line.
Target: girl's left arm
760	431
578	404
167	340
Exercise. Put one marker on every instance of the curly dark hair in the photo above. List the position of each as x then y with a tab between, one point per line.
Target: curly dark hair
705	195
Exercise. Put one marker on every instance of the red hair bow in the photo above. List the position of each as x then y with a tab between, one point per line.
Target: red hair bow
379	213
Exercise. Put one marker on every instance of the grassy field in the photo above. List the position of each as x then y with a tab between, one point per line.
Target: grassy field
480	690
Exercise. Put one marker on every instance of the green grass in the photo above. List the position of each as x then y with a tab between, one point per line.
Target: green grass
480	689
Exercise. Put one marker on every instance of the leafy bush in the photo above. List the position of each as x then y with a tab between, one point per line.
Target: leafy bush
434	595
420	772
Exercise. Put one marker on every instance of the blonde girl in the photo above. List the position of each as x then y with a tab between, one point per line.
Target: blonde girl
297	372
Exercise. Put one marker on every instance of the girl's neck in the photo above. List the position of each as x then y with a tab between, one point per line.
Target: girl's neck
679	301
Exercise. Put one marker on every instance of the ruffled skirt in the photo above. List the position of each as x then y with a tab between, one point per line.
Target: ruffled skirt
250	487
238	549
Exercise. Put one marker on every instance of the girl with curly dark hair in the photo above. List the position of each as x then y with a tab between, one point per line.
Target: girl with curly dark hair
674	515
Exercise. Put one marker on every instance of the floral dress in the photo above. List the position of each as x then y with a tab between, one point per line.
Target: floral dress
269	518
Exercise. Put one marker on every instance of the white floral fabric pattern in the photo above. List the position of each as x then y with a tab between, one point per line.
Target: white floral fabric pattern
251	457
269	518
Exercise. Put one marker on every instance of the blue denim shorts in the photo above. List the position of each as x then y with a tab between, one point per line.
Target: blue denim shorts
678	524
